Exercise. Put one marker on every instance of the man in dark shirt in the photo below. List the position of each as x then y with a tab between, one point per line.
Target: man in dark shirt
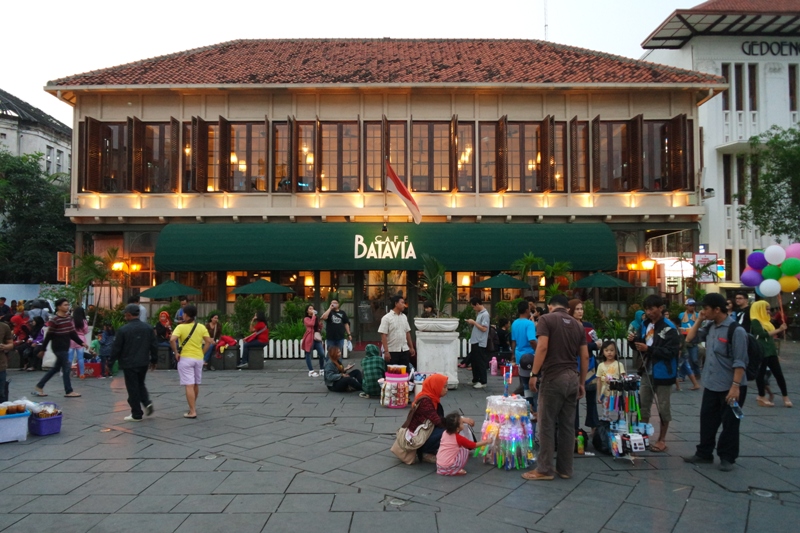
561	340
4	309
135	345
742	307
6	345
337	326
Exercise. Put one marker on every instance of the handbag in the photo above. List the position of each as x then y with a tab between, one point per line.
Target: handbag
317	336
405	449
180	348
253	335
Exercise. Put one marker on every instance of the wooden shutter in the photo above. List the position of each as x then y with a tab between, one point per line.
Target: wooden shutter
454	153
129	155
386	147
547	172
93	181
501	147
292	156
596	154
225	179
317	151
199	154
678	152
635	140
574	171
136	141
174	153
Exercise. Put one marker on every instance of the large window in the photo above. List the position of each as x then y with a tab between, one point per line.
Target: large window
213	158
727	179
282	178
430	150
114	157
580	157
614	154
752	86
373	164
738	86
488	157
466	159
339	153
655	167
157	158
306	165
248	157
524	156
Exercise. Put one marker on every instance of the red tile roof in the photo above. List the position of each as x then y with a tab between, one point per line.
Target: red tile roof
386	61
748	6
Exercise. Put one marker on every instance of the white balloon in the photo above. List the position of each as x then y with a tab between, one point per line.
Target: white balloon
770	288
775	254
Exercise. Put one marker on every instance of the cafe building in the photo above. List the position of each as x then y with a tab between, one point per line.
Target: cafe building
264	159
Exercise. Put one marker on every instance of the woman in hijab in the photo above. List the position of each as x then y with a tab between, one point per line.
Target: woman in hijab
763	330
163	333
429	407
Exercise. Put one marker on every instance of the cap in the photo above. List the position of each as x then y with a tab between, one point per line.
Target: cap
132	309
690	301
526	365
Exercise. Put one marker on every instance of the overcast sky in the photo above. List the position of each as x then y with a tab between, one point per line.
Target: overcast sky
48	39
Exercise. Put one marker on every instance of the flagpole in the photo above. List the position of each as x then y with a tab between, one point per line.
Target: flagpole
385	190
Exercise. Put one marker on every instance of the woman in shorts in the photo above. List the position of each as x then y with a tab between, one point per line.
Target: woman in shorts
190	341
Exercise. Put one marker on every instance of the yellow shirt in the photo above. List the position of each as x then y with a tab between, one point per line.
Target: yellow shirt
194	347
606	371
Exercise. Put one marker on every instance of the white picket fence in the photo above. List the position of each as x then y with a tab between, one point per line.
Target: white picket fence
284	349
622	346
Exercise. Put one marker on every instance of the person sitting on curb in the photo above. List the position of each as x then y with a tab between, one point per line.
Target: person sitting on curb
339	378
374	369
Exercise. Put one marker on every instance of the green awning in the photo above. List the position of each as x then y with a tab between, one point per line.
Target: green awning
363	246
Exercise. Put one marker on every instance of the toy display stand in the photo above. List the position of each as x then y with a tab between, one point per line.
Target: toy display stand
509	426
627	435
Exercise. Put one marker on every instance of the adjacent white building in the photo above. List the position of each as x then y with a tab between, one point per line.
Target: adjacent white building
755	45
25	129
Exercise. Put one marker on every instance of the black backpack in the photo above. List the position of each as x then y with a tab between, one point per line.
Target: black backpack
755	354
492	340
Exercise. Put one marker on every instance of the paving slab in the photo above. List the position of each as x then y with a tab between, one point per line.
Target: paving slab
238	523
310	521
63	523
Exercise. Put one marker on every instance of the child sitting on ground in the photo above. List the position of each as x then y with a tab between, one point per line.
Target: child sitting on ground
610	368
454	449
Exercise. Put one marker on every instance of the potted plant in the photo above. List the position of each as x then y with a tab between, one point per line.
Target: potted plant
438	290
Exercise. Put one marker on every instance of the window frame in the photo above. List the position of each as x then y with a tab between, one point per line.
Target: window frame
431	177
339	156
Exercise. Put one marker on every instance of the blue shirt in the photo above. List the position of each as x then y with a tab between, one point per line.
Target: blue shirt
523	331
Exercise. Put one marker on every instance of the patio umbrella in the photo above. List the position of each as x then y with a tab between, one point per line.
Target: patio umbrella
602	281
502	281
262	286
168	289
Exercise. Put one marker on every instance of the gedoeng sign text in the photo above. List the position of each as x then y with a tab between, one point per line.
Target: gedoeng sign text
384	247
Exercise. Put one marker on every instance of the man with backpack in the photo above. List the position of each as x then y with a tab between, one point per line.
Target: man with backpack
724	381
660	344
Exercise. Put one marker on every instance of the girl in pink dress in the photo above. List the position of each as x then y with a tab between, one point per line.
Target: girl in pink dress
454	449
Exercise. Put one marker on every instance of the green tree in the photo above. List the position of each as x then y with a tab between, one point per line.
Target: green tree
32	222
526	265
775	195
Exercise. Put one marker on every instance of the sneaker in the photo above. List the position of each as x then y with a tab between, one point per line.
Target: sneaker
101	377
149	409
243	365
725	466
696	460
312	374
130	418
479	386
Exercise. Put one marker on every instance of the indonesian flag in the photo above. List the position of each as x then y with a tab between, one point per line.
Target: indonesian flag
393	184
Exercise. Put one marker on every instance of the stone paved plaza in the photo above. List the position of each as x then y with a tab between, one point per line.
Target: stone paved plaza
274	451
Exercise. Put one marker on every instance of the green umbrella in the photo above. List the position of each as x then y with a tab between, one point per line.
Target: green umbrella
602	281
502	281
168	289
262	286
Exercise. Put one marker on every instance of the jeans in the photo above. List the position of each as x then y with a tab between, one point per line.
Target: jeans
689	364
531	396
62	363
77	353
246	349
316	345
592	419
479	363
558	399
209	353
104	370
344	383
432	444
330	343
137	392
715	411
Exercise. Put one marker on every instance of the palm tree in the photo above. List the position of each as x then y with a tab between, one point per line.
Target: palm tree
94	270
525	265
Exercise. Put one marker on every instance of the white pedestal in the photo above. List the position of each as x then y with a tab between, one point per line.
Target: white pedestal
437	352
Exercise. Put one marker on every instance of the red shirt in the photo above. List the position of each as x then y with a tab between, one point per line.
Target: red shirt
264	335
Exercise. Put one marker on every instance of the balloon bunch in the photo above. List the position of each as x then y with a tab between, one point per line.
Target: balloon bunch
773	270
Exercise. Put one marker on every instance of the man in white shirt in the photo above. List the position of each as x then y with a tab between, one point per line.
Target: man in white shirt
142	311
396	334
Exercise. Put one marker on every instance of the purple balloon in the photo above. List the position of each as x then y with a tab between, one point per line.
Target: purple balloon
757	261
752	278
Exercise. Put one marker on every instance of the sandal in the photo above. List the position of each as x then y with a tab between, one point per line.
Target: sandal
787	402
461	472
534	475
658	449
72	394
763	402
363	395
39	393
